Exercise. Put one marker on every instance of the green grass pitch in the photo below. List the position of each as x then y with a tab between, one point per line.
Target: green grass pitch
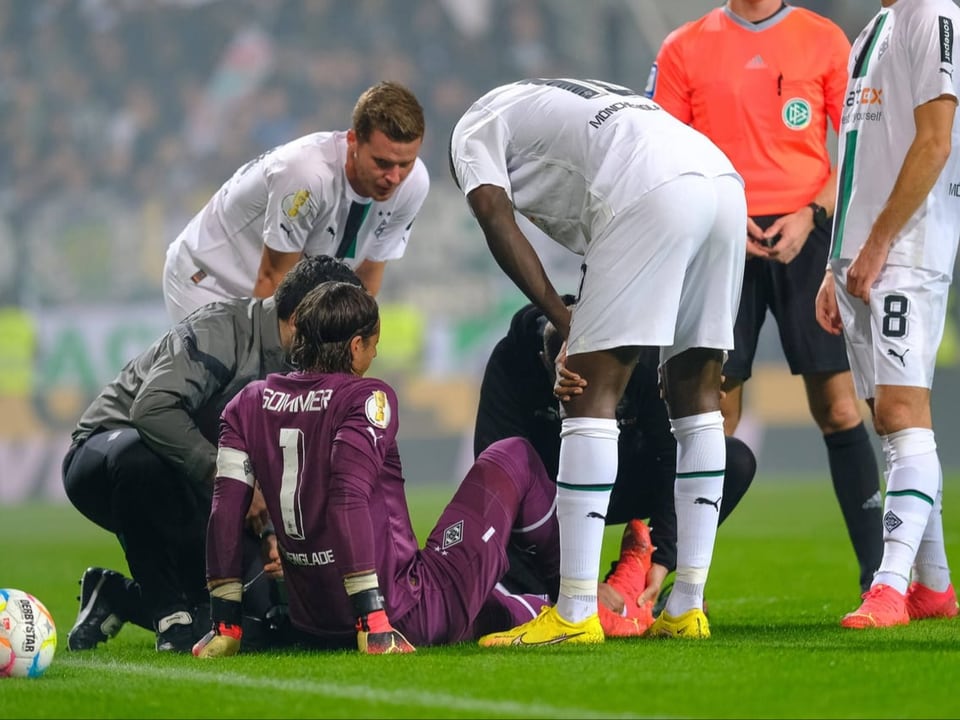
783	575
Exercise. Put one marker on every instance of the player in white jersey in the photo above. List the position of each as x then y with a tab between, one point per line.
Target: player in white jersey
659	216
352	195
895	241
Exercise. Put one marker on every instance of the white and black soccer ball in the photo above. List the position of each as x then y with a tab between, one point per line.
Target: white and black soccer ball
28	636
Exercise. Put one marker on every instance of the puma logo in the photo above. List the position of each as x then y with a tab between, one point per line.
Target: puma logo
596	515
705	501
893	353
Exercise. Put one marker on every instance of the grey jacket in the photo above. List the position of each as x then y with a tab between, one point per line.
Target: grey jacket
173	392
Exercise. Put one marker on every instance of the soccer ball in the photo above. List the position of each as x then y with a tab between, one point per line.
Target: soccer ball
28	637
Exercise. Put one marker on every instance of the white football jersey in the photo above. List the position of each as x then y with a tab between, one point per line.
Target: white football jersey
296	198
571	154
902	59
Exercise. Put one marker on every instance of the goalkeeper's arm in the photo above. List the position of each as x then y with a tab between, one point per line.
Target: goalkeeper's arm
375	634
223	640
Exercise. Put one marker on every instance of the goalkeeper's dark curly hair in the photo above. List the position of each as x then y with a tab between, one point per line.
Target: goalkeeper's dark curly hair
303	277
327	319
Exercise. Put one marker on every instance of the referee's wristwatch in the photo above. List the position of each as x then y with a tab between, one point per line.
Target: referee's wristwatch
820	219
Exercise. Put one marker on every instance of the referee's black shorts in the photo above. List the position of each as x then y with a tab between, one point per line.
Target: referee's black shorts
790	292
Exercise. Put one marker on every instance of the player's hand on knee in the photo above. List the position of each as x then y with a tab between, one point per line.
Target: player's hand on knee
566	383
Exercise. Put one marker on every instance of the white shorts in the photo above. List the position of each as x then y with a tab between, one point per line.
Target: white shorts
186	286
666	272
894	340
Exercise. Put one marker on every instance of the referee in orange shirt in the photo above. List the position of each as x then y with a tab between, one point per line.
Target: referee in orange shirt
761	78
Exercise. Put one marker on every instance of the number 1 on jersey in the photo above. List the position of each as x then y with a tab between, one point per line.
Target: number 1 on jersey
291	444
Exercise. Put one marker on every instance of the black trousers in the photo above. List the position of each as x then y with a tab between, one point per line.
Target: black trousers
158	514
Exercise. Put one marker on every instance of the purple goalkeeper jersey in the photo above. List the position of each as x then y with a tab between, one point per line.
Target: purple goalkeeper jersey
324	449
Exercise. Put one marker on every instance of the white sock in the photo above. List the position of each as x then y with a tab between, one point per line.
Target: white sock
930	567
912	487
587	471
701	460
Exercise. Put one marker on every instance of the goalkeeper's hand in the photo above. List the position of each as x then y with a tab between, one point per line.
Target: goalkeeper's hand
376	636
223	640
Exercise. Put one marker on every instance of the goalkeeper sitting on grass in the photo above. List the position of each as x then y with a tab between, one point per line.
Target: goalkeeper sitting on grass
322	444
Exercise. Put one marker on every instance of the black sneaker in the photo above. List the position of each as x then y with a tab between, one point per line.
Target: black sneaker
97	621
175	633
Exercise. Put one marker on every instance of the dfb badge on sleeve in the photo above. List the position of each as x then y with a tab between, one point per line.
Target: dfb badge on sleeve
377	408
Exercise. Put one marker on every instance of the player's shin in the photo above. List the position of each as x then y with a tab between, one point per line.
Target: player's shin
588	468
701	459
912	487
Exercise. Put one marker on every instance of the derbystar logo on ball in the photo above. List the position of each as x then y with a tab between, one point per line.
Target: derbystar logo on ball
28	635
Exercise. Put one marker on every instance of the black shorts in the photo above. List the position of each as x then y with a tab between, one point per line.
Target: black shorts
790	293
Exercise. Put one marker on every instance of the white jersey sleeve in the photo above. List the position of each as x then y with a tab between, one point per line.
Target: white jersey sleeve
478	150
930	39
293	200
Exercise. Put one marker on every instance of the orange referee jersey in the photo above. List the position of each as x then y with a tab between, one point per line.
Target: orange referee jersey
763	94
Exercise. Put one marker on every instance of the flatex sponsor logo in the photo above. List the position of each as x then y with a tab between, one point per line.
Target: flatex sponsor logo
863	103
864	96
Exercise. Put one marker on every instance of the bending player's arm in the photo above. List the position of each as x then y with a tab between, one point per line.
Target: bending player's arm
370	273
273	266
514	253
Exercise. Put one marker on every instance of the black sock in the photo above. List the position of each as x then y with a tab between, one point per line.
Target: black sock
856	482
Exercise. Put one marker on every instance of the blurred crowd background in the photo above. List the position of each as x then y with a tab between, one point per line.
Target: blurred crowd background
121	117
